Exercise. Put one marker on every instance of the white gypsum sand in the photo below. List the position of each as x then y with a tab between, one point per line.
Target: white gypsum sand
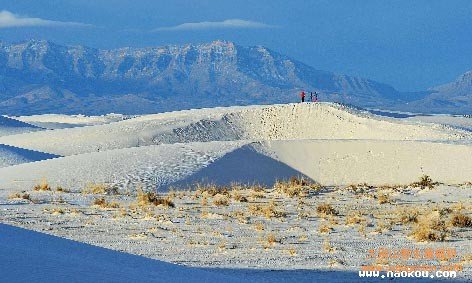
331	144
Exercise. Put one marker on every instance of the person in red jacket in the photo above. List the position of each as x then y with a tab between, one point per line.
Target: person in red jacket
302	96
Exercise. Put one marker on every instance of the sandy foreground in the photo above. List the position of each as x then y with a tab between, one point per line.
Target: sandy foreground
357	189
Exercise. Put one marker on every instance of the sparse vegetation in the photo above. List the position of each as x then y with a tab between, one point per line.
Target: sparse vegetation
326	209
43	186
461	220
60	189
272	239
220	200
268	210
151	198
292	252
355	217
295	187
22	195
103	203
325	228
383	198
430	227
408	216
100	189
425	182
327	247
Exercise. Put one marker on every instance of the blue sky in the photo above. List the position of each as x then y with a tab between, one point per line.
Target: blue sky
411	45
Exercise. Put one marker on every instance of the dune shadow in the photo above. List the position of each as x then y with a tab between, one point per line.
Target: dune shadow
244	165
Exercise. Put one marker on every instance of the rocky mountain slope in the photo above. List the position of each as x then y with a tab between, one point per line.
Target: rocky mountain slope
454	97
40	76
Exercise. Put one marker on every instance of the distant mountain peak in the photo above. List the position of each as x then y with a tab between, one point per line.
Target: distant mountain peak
40	76
461	86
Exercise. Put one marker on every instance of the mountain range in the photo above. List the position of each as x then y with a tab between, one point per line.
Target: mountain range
39	76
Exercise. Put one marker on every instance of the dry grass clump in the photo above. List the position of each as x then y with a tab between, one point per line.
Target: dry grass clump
237	196
383	198
461	220
55	210
424	182
326	209
43	186
327	247
60	189
295	187
408	216
148	198
100	189
241	217
259	226
272	239
292	251
220	200
22	195
325	228
430	227
103	203
268	210
355	217
211	190
360	188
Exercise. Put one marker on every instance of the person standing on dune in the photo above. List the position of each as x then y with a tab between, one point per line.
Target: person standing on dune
302	96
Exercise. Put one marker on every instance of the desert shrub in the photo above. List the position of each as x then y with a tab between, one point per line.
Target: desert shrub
272	239
100	189
257	194
151	198
355	217
211	190
55	210
259	226
220	200
408	216
43	186
298	181
359	188
430	227
237	196
61	190
292	252
383	198
267	210
103	203
461	220
325	228
327	247
22	195
424	182
326	209
295	187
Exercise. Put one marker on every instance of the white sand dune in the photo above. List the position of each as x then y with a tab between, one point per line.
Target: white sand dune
60	121
277	122
341	162
149	166
9	126
10	155
454	121
327	142
330	162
